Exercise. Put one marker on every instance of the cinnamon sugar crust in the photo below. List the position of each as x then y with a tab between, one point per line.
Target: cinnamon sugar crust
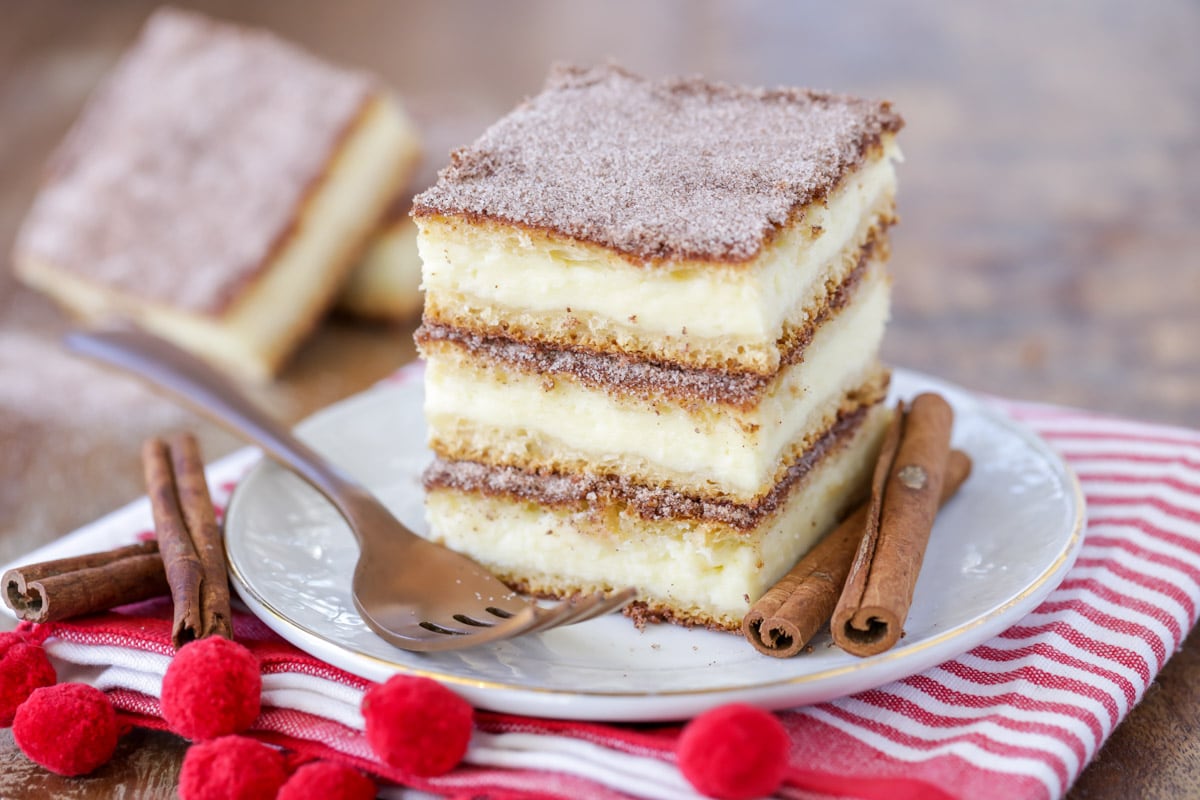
642	613
677	169
649	502
190	165
649	378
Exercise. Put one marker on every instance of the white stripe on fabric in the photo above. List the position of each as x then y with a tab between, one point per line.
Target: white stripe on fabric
970	715
108	655
1102	683
1072	618
1166	522
1123	614
1085	446
315	704
987	728
1152	595
636	775
1082	423
333	691
967	751
1089	706
1152	542
1184	582
1106	491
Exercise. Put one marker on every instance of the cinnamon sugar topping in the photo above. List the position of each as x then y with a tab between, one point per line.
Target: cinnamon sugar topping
189	164
675	169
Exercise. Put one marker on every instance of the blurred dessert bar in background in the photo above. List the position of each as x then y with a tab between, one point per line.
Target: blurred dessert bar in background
217	190
652	321
385	284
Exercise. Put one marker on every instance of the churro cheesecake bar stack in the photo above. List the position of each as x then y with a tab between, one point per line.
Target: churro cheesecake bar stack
652	322
216	190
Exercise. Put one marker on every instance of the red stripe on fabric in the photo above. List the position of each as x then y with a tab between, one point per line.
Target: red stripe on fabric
1165	506
1046	650
1114	624
943	693
1152	582
1122	436
864	788
1133	548
137	703
1186	487
818	741
1002	749
1137	604
1136	458
303	664
1120	655
898	704
119	635
1027	673
1150	529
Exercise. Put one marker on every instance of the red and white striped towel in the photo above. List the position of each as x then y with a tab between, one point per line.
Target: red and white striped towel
1017	717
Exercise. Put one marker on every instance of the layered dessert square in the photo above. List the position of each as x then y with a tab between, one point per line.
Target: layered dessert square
216	190
652	322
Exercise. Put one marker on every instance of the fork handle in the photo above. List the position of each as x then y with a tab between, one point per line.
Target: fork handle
213	395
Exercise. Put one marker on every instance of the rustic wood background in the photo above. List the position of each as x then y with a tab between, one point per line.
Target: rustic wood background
1049	246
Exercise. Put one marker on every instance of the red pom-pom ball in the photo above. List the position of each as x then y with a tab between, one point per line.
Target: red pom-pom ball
231	768
70	728
734	752
417	725
325	780
212	688
23	668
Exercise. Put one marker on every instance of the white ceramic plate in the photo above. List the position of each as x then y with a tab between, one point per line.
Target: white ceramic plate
997	550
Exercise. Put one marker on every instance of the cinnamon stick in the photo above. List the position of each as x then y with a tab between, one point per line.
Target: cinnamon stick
870	614
786	618
188	537
70	587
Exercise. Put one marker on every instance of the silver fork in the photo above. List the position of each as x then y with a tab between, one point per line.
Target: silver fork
415	594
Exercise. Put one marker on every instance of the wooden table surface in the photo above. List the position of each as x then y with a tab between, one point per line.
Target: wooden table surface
1049	246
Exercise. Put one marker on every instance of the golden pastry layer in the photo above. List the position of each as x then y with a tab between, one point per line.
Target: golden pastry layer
693	562
646	421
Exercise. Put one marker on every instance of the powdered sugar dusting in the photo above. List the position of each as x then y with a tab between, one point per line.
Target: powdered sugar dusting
188	165
676	169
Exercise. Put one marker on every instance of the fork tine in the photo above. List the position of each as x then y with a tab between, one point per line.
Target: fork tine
421	639
607	605
555	617
453	634
578	609
454	626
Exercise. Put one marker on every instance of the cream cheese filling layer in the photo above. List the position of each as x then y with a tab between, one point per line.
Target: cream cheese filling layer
505	276
701	572
482	411
261	328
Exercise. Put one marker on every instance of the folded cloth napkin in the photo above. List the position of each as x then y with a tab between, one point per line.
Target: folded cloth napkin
1017	717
